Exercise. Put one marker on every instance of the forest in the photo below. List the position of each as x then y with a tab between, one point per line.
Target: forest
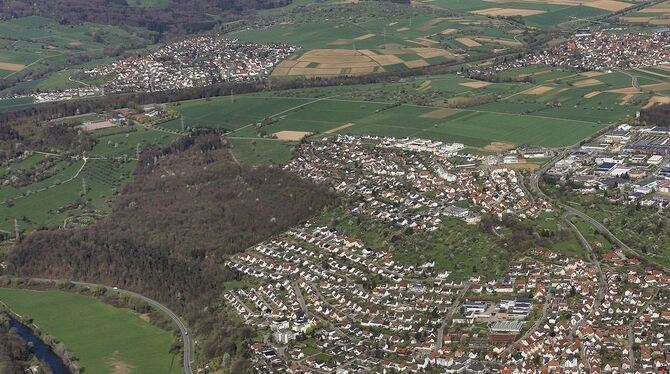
179	17
188	206
52	137
656	115
14	354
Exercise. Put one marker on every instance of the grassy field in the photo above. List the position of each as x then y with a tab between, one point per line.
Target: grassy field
473	126
31	42
104	338
261	151
13	104
74	188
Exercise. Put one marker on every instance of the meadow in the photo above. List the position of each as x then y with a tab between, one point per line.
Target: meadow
30	42
75	189
104	338
261	151
475	126
13	104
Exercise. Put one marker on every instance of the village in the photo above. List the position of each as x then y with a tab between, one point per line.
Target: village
194	62
415	182
596	51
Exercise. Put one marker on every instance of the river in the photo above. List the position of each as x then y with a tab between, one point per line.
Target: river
41	350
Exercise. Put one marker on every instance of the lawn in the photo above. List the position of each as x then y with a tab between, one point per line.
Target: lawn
100	335
261	151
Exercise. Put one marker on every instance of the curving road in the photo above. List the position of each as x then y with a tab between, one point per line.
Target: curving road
188	344
535	187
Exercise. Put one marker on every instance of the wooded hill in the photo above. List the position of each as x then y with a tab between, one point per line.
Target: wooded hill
178	17
188	206
657	115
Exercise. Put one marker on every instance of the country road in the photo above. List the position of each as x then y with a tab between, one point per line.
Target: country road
535	188
186	338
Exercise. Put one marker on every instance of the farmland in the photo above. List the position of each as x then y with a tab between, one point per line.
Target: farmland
473	127
378	39
12	104
104	338
536	13
554	111
75	187
656	15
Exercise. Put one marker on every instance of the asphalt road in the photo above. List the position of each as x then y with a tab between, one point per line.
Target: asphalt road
535	187
186	338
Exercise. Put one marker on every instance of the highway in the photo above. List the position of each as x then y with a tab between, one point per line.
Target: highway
185	336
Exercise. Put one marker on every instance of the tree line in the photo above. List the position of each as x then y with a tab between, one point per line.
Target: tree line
656	115
179	17
14	353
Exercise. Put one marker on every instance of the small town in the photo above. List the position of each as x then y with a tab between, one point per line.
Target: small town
321	313
194	62
335	187
596	51
415	182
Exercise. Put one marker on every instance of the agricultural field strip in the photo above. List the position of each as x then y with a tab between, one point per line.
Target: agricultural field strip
35	62
287	110
331	98
655	77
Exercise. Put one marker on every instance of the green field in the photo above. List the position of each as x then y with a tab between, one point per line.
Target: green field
475	127
13	104
100	335
35	42
261	151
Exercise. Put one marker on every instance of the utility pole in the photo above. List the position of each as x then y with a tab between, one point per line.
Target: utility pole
83	186
232	96
384	34
16	229
182	124
137	151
